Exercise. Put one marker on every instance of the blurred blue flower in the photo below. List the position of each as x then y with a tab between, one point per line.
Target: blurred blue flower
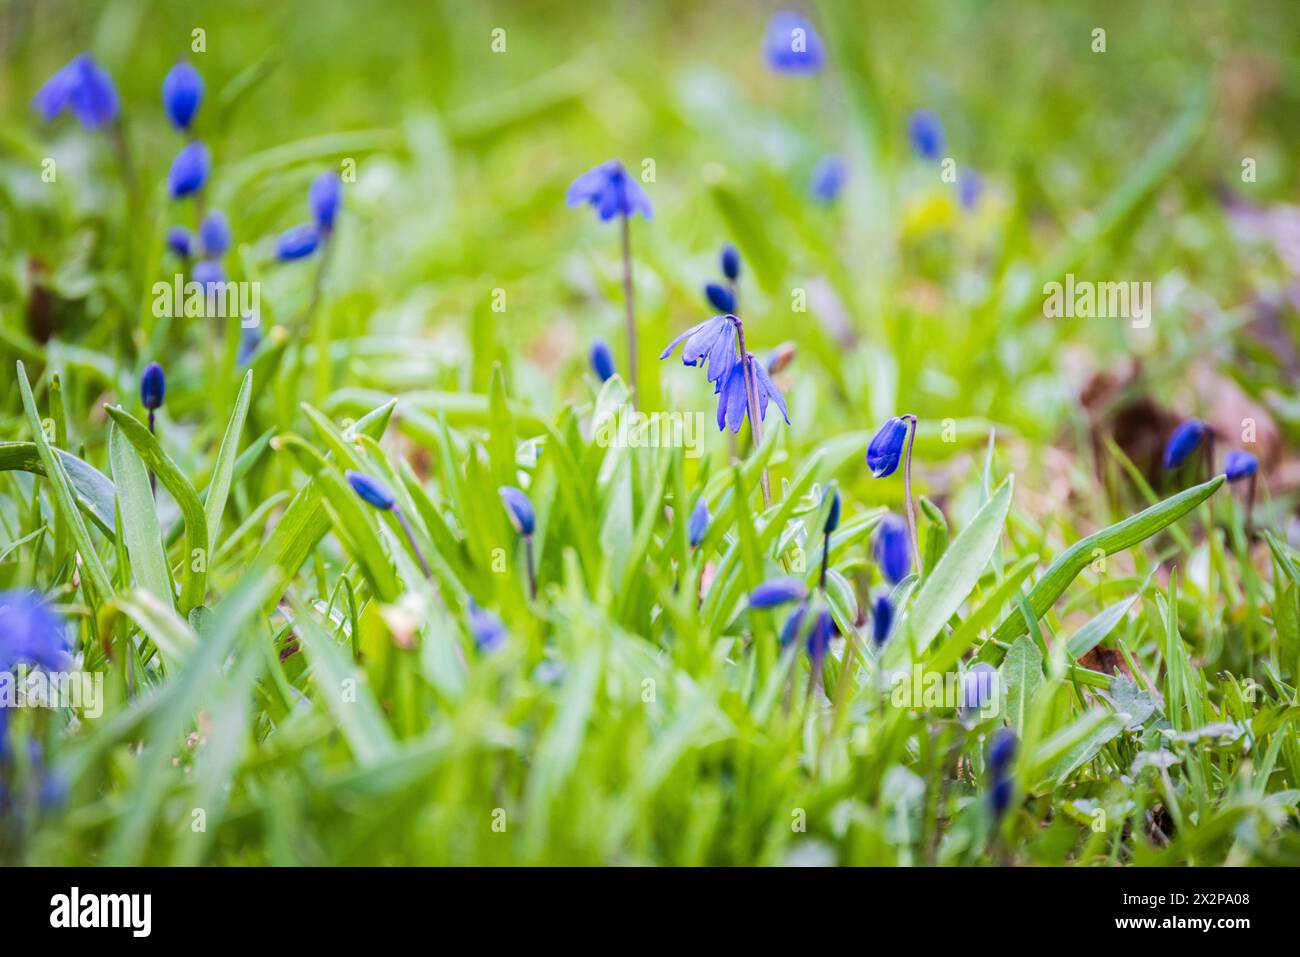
82	86
249	339
893	552
820	636
488	631
153	385
882	618
978	686
610	191
1002	750
792	45
297	243
181	242
793	624
325	196
519	508
969	188
371	490
926	134
1184	441
1239	464
182	91
602	360
189	172
778	591
1000	796
207	273
214	232
730	262
828	178
886	448
698	524
30	632
720	297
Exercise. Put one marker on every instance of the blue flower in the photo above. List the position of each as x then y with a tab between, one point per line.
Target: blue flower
489	634
208	273
30	632
249	339
882	618
778	591
182	91
720	297
893	552
792	45
519	508
1185	440
926	134
153	384
84	87
730	262
793	624
733	404
1002	750
833	514
297	243
1000	796
189	172
1239	464
713	341
886	448
698	524
215	234
602	360
969	189
978	686
325	196
819	637
828	178
180	241
610	191
371	490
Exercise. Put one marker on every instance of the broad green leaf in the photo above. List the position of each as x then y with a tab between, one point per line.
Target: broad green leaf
91	489
1097	629
140	525
219	487
1021	675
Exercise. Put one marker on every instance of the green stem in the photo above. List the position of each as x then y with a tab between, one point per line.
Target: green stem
629	305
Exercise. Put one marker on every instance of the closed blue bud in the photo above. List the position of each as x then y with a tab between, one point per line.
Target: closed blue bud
886	448
610	191
926	134
793	625
969	189
893	551
519	508
778	591
820	635
181	242
730	262
297	243
1000	796
324	197
371	490
189	172
486	628
1002	750
153	384
792	45
833	513
215	234
1185	440
828	179
207	273
602	360
1240	464
699	523
30	632
83	87
979	686
720	297
182	91
882	619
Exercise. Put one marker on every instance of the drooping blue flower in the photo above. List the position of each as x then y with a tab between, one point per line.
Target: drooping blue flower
828	178
486	628
182	91
189	172
610	191
730	262
325	196
371	490
720	297
519	508
297	243
208	273
926	134
778	591
792	45
1184	441
153	385
84	87
893	551
215	234
832	514
882	618
31	632
793	624
969	188
1002	750
820	636
886	448
733	404
1240	464
712	341
1000	796
698	524
979	684
181	242
602	360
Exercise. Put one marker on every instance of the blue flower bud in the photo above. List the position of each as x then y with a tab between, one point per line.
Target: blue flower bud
778	591
828	179
30	632
602	360
189	172
820	635
182	92
181	242
1002	750
893	551
486	628
610	191
207	273
84	87
699	523
886	448
833	513
730	262
1000	796
792	45
979	684
371	490
297	243
1240	464
324	197
882	618
926	134
1184	441
153	384
519	508
215	234
720	297
969	189
793	625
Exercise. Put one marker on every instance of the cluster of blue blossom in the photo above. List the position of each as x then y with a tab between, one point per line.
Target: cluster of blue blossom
1238	464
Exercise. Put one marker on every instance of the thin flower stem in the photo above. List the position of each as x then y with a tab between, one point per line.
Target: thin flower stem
153	478
1250	504
117	137
907	492
826	555
751	398
630	306
410	537
532	572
